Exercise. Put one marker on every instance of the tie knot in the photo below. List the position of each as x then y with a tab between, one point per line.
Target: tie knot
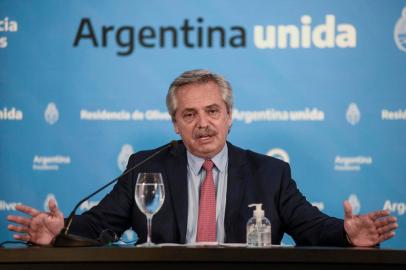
208	165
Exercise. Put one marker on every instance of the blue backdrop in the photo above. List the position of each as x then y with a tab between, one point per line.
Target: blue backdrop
320	84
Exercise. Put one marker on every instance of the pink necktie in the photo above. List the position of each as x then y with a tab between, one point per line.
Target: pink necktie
206	226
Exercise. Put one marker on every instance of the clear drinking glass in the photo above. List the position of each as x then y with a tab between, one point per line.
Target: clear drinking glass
149	196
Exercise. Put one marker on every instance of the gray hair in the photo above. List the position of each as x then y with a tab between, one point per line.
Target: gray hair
198	76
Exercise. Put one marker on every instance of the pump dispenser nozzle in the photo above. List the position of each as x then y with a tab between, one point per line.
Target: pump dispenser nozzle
258	212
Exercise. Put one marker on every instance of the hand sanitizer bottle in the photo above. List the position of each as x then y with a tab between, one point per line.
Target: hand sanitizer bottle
258	228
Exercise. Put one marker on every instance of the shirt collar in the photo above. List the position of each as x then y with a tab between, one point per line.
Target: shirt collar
219	160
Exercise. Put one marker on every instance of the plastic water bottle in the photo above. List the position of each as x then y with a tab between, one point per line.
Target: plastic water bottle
258	228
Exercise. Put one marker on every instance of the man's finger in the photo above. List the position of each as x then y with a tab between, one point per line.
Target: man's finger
386	236
27	209
347	210
20	220
22	237
385	221
20	229
379	214
388	228
53	208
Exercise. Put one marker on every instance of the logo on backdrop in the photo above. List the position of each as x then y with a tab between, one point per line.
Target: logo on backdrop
325	35
353	115
399	33
124	115
355	204
87	205
198	34
51	113
319	205
351	163
11	114
47	199
8	206
125	153
278	153
49	163
6	25
393	115
398	207
271	114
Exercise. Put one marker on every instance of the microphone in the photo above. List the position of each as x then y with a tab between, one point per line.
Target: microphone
64	239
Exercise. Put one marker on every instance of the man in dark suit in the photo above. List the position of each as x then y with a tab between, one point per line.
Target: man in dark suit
209	185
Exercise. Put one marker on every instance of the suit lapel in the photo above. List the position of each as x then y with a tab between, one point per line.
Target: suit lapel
176	169
235	191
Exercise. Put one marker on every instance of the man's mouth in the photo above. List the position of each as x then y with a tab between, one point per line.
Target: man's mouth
205	138
205	135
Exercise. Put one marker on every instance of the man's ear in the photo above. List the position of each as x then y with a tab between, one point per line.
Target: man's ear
175	126
230	118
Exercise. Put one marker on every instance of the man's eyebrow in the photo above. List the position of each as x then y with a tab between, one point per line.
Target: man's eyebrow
214	105
188	109
211	106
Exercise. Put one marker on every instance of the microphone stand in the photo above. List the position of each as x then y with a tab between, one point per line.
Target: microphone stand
65	239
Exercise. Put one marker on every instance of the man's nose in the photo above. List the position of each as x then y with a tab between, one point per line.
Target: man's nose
202	120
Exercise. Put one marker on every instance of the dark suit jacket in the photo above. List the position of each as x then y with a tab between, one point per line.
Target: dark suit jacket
252	178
